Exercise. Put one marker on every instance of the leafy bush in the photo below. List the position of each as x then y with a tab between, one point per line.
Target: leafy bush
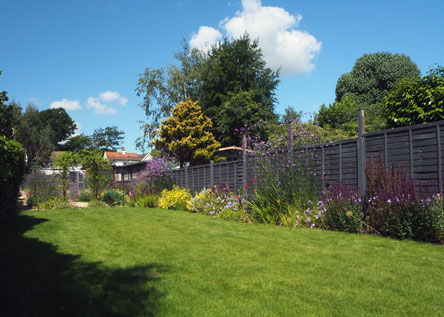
342	210
54	203
175	198
12	165
85	196
199	201
112	197
41	188
143	200
97	204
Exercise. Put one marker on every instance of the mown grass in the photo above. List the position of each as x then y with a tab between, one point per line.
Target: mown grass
141	262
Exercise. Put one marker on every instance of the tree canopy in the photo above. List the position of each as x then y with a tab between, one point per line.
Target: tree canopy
230	82
107	139
186	135
416	101
60	122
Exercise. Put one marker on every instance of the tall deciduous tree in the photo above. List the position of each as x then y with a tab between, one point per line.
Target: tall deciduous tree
77	143
237	89
416	101
35	137
163	88
108	139
60	122
372	76
186	135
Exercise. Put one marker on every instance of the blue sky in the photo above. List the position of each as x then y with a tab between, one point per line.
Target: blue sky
86	55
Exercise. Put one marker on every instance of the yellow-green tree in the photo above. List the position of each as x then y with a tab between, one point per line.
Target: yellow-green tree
186	135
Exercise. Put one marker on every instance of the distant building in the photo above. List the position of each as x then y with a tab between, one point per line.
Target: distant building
132	162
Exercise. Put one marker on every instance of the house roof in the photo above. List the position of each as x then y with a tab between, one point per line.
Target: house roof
119	156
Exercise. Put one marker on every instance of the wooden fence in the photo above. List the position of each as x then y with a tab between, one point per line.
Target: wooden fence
418	148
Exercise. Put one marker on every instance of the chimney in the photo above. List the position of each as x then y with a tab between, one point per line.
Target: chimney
123	150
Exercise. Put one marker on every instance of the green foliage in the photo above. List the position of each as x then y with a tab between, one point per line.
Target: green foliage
64	162
373	75
97	204
54	203
9	118
163	88
234	76
343	216
36	137
97	169
230	76
108	139
112	197
77	143
85	195
291	115
417	100
60	122
143	200
12	168
175	198
200	201
186	135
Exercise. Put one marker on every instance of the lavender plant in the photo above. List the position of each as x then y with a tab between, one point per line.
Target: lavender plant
157	175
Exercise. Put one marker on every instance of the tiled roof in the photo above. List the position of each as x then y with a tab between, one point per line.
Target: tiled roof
119	156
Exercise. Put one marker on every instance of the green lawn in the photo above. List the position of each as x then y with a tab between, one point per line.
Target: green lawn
139	262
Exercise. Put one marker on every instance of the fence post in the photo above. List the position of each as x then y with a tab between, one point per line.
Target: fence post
211	174
412	172
244	161
290	137
438	149
186	177
361	155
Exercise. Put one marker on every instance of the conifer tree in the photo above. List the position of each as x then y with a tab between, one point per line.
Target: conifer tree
186	135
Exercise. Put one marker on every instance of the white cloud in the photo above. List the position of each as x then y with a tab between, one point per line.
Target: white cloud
205	38
283	46
66	104
79	127
99	108
113	96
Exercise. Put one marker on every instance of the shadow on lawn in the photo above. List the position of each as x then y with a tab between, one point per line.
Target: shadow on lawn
35	280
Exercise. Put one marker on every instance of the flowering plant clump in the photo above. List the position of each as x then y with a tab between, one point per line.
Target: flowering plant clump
175	198
342	210
220	202
310	216
157	175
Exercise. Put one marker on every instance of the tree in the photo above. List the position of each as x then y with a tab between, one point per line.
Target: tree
291	114
163	88
237	90
186	135
10	119
219	80
416	101
64	162
35	137
61	124
97	169
373	75
108	139
77	143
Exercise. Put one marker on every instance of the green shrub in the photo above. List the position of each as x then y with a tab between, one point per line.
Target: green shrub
97	204
54	203
200	201
143	200
12	167
85	195
112	197
175	198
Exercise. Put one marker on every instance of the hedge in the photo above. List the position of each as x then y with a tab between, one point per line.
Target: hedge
12	169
